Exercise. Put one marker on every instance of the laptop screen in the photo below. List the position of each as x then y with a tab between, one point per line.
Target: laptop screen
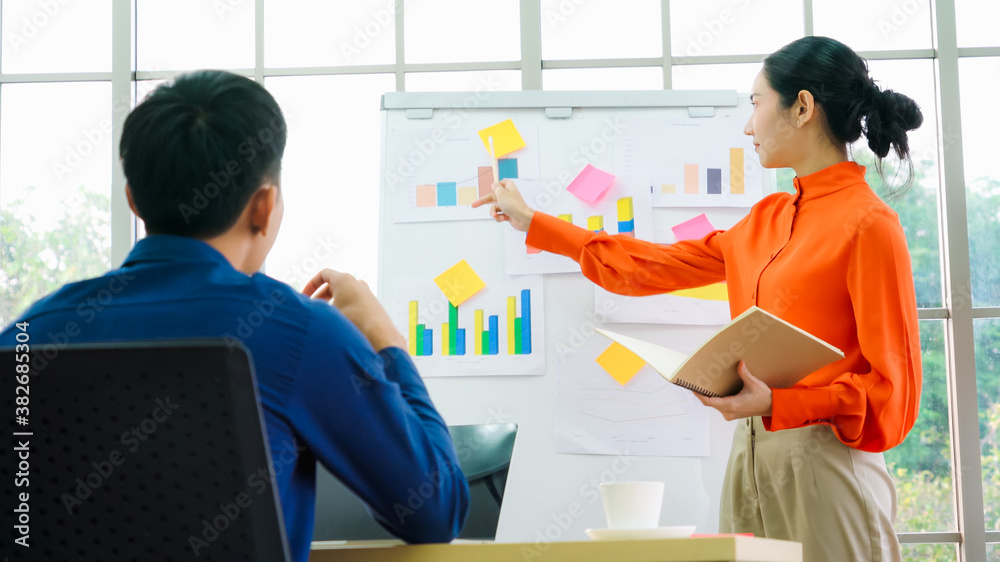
484	452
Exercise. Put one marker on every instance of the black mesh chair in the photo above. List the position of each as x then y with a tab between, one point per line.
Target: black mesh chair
484	453
138	452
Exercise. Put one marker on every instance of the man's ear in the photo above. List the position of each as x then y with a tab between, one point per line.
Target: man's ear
131	203
261	208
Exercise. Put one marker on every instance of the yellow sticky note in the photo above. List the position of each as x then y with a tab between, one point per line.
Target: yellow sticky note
459	283
506	139
620	363
713	292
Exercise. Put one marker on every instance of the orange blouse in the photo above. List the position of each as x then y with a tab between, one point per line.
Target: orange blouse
830	259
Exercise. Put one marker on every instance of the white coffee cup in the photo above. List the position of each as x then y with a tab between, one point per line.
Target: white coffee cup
632	505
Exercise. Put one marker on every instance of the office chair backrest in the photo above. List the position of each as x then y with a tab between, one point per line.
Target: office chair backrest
484	453
138	451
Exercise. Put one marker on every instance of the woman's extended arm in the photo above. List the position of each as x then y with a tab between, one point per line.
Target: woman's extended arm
620	264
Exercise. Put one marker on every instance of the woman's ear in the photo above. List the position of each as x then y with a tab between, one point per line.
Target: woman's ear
804	108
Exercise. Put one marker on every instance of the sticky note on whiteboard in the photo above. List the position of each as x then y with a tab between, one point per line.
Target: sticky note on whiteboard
620	363
506	139
694	229
459	282
590	184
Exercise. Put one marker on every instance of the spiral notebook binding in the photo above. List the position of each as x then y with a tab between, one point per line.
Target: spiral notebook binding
696	388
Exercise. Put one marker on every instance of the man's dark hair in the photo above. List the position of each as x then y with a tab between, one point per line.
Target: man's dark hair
196	150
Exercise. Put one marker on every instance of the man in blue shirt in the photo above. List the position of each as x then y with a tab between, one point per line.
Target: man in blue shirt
202	157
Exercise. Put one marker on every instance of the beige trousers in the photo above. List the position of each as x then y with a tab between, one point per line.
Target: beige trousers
805	485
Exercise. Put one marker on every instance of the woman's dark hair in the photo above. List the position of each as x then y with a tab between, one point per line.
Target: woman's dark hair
196	150
853	105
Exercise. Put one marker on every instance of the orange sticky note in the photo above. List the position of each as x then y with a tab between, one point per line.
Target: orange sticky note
620	363
506	139
459	282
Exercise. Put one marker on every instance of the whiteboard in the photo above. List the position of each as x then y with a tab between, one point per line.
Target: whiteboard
552	496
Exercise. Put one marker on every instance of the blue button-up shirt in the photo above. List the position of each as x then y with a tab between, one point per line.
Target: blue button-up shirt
326	394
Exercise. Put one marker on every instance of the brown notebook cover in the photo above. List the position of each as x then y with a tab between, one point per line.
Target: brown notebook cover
775	351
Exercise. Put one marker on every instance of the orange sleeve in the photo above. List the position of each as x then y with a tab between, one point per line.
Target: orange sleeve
872	410
624	265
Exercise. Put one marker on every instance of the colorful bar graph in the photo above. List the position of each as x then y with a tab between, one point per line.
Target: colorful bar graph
511	324
478	339
446	196
626	218
525	331
494	335
736	171
507	168
715	181
486	334
485	180
411	342
426	196
668	188
690	178
595	224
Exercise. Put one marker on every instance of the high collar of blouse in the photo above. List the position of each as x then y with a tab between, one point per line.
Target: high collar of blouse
828	180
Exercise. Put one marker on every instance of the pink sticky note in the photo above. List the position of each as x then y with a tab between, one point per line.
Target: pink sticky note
693	229
591	184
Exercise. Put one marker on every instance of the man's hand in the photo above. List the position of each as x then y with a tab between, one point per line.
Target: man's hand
753	400
508	205
356	302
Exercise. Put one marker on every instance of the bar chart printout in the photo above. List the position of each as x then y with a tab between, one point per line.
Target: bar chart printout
436	174
498	331
449	194
703	162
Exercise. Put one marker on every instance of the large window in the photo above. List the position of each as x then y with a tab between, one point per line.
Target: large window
65	85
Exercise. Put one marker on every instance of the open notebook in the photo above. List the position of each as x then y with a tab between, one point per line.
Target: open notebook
775	351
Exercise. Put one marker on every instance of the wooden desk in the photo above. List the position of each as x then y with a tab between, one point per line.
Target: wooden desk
706	549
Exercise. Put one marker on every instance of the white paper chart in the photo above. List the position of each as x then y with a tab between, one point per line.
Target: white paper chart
647	416
435	174
702	308
692	162
498	331
625	208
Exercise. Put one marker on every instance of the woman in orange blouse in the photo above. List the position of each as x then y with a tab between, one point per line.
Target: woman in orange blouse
807	463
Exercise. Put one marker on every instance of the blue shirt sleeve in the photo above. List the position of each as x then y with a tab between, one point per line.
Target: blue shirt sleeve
369	419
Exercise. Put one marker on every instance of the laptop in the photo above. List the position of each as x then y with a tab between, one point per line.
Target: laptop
484	452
